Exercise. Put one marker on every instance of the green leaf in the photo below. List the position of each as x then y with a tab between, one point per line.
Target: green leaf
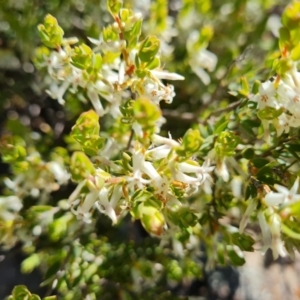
146	113
81	57
53	269
248	153
235	259
290	232
20	292
114	6
284	39
244	90
282	66
221	254
259	162
191	143
251	191
132	35
154	64
220	128
41	208
81	167
125	14
50	32
243	241
109	34
96	62
30	263
148	49
86	132
293	147
291	15
185	217
58	228
296	53
12	149
226	143
34	297
256	86
269	113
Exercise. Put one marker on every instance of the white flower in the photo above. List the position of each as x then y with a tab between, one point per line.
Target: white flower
57	92
60	174
166	75
202	173
203	59
137	180
200	59
84	209
106	205
284	194
168	93
271	233
160	183
282	124
9	205
222	170
113	46
266	96
137	128
277	243
94	98
236	186
265	230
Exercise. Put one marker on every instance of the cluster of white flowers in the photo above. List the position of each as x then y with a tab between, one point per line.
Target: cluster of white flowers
284	95
269	219
148	170
39	180
200	60
114	81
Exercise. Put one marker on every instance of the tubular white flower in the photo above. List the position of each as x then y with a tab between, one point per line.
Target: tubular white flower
236	186
84	210
201	60
107	206
266	233
222	170
277	244
57	92
73	197
137	128
60	174
94	98
160	183
202	173
166	75
160	140
138	165
159	152
284	194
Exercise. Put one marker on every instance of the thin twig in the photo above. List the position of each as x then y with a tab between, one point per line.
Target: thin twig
188	117
195	117
130	139
222	110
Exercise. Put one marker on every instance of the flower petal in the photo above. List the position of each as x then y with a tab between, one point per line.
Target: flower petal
294	189
274	198
281	189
